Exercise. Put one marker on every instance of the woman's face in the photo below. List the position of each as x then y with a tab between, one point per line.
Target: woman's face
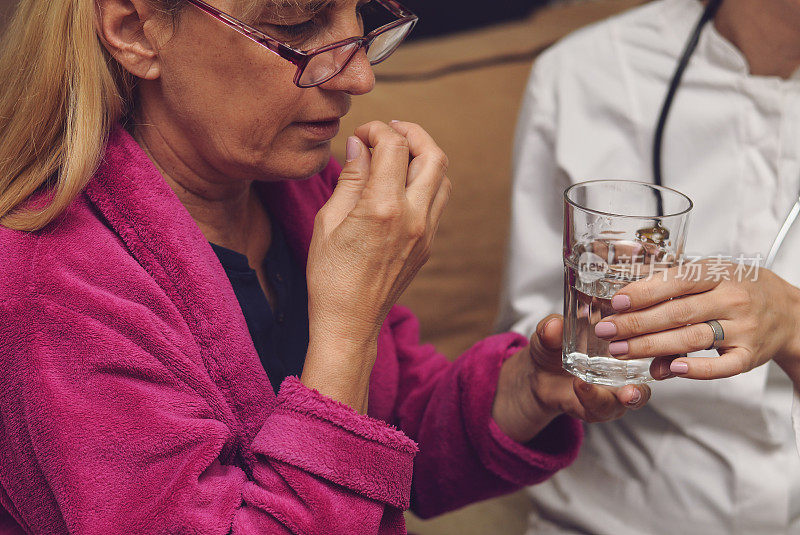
228	108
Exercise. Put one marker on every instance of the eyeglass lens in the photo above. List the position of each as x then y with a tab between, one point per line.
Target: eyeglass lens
327	64
324	66
387	42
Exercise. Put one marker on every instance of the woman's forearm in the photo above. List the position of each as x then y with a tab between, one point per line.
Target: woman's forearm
369	240
340	369
517	410
792	369
788	358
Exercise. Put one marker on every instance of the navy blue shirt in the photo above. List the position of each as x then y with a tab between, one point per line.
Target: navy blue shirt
280	336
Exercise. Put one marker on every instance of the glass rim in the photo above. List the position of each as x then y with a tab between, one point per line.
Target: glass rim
628	216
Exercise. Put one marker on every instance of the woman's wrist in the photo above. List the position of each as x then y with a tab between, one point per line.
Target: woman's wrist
340	368
788	357
517	409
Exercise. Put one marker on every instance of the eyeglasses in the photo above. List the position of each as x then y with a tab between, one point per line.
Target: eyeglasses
318	65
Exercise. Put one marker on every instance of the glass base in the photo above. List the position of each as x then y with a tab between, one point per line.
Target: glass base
608	371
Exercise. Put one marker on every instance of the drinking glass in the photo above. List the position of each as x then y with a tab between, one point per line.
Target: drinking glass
615	232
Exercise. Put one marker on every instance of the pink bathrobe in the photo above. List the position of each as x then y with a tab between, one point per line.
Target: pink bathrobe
133	401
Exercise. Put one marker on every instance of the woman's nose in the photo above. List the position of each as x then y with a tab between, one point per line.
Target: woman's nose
357	78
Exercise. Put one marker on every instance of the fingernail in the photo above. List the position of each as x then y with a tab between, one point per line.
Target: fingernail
663	370
394	121
620	302
678	367
635	398
605	329
353	149
618	348
540	329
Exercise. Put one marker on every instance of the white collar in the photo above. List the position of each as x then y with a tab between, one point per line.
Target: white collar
681	17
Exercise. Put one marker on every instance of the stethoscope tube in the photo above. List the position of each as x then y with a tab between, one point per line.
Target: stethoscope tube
658	139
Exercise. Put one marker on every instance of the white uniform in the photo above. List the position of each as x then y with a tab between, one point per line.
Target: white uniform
703	457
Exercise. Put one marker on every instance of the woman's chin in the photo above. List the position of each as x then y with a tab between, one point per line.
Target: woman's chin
298	166
313	162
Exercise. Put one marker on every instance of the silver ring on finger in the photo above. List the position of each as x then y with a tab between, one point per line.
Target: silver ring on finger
719	334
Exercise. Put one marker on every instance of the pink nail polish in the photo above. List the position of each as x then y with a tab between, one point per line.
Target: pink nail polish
635	397
678	368
620	302
618	348
605	329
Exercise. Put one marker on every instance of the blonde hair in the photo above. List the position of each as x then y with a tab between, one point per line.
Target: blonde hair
60	92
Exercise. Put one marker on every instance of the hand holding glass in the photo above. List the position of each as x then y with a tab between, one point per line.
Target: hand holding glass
615	232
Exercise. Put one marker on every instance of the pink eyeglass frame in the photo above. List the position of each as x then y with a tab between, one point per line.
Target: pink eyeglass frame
301	58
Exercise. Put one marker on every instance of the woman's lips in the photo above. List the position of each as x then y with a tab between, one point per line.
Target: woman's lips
321	130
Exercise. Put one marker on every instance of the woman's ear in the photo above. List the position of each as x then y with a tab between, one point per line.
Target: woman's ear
120	24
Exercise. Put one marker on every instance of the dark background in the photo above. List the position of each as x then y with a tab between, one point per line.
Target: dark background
438	17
